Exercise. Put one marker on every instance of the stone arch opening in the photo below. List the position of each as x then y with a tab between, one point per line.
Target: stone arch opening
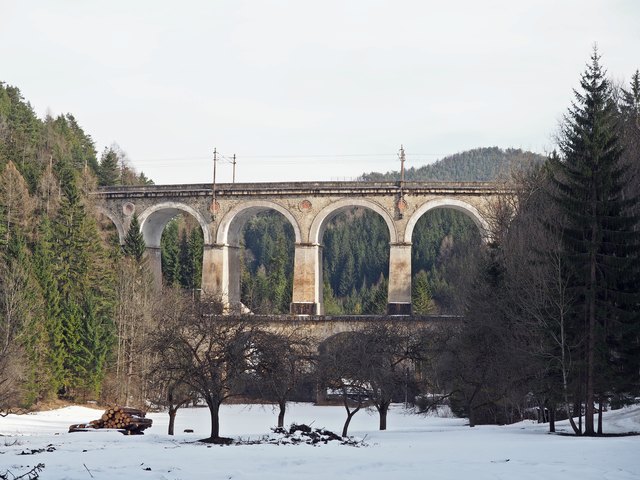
446	237
233	222
326	214
155	218
454	204
153	222
355	237
258	239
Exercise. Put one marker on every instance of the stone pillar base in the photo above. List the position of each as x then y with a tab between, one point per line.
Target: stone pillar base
303	308
398	309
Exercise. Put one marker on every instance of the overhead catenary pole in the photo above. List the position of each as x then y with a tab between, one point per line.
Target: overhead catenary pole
401	155
401	203
213	204
234	168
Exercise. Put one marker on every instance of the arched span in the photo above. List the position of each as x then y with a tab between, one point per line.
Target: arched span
155	218
454	204
233	221
116	222
327	213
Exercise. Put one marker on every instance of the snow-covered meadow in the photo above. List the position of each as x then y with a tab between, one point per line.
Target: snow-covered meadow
413	447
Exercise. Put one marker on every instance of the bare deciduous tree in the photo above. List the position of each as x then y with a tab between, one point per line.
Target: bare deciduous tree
11	379
135	296
341	368
208	351
281	360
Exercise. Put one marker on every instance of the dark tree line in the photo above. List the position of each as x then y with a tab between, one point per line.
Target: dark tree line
552	318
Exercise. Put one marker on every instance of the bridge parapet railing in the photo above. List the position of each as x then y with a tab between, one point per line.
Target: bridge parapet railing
304	187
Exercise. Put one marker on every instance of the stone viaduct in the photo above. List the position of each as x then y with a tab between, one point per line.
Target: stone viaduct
223	211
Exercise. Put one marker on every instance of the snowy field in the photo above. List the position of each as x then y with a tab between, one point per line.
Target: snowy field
413	447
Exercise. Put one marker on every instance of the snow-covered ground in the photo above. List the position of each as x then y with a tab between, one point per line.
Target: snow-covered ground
413	447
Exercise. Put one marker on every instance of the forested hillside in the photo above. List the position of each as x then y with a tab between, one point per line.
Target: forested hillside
59	281
477	165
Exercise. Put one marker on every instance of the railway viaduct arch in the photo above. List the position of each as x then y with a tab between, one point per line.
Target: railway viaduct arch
308	206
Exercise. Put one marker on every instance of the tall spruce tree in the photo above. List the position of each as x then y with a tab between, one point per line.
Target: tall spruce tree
134	245
44	269
170	253
599	243
196	247
85	286
421	294
109	169
186	263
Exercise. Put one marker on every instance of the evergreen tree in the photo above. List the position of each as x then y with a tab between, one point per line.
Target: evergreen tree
20	139
630	132
109	169
376	301
600	245
196	248
186	263
134	246
281	286
16	205
331	304
44	269
348	277
170	253
421	300
22	306
85	287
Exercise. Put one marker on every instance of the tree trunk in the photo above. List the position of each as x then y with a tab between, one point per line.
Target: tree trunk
580	417
321	394
382	411
214	410
571	420
591	343
565	387
283	406
600	417
350	415
172	418
552	418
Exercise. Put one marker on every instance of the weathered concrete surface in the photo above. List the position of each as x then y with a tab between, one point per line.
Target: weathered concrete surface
308	206
318	328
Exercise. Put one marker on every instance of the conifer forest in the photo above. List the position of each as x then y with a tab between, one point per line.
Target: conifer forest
547	314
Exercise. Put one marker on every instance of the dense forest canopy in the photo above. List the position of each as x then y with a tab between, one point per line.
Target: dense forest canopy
58	280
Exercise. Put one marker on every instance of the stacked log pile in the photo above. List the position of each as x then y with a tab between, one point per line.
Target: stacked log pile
127	420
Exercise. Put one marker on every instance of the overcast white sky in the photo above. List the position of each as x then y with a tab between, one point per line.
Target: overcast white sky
303	90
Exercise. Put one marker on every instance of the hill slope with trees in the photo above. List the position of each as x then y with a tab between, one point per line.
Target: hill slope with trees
59	282
476	165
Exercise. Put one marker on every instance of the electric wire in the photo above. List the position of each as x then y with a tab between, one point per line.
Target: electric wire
284	160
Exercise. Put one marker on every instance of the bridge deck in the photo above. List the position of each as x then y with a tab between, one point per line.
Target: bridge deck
302	188
344	318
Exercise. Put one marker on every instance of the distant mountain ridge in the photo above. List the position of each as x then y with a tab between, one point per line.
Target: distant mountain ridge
479	164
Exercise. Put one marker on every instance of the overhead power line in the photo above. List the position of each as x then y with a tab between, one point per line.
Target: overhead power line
170	161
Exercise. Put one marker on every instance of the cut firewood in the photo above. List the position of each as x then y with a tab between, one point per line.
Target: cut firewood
128	420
